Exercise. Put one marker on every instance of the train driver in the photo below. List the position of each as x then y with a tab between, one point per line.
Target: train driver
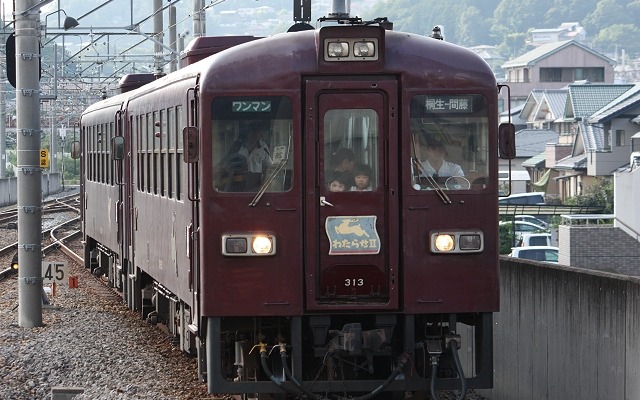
433	162
251	146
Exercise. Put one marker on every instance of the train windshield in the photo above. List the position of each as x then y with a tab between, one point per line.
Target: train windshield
449	141
252	144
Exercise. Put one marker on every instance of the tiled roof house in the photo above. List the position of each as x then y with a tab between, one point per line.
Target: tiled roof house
578	170
553	66
595	123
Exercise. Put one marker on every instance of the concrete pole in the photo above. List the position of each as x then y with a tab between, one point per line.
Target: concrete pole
28	169
199	22
157	30
173	41
3	112
3	123
53	147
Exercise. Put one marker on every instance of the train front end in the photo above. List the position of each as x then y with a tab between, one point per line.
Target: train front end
334	256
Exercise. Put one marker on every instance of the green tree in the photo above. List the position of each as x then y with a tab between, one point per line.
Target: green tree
470	32
516	17
506	238
606	13
466	22
567	11
617	37
599	194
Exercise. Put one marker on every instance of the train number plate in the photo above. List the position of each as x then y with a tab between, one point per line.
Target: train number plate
353	280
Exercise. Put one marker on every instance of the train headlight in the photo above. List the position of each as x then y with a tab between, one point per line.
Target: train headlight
262	245
456	242
337	49
444	243
248	244
364	49
351	49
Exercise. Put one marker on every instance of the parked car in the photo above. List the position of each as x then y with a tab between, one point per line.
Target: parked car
537	253
521	227
532	219
534	239
523	199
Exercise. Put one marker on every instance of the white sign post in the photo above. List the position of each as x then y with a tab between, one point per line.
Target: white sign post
54	272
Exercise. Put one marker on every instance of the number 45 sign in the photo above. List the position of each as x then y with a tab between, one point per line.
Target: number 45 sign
54	271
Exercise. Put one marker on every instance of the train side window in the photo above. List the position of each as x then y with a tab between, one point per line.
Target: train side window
141	145
448	141
171	149
179	151
164	154
110	164
135	148
92	135
104	140
252	144
87	132
149	151
157	165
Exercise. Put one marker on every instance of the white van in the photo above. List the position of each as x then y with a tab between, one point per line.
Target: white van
534	239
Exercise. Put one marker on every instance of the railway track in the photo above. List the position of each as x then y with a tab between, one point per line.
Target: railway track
81	342
65	238
64	209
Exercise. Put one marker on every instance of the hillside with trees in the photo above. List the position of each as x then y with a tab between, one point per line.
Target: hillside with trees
611	25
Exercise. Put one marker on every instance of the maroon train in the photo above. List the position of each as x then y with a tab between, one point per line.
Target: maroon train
207	203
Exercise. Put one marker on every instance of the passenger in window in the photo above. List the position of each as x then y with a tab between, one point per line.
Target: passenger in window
434	163
362	178
343	160
337	182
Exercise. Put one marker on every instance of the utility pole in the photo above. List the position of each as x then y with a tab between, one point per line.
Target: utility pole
3	123
28	170
3	111
173	39
199	21
159	35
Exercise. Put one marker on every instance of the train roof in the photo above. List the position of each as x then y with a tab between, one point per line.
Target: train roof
279	60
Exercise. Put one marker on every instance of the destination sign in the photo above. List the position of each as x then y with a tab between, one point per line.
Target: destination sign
448	104
251	106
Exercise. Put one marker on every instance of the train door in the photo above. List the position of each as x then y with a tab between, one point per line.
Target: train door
351	222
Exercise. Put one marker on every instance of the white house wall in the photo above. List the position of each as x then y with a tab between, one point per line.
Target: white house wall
603	163
626	198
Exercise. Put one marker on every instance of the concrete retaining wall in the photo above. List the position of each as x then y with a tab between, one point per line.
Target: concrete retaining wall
9	188
566	333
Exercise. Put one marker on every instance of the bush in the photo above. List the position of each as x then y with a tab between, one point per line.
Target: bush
599	194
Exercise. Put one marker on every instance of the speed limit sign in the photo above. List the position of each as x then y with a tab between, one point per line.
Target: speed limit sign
54	272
